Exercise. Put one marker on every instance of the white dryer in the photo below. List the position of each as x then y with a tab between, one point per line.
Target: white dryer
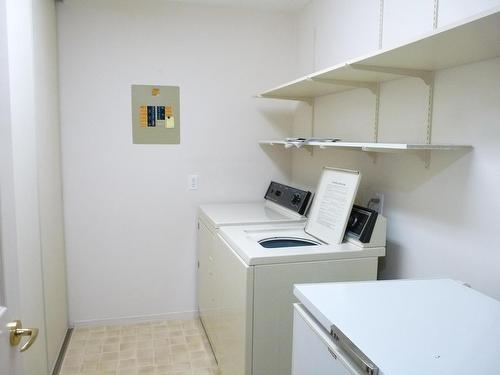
257	267
282	204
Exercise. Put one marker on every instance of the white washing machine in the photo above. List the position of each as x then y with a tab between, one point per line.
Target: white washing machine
258	265
282	204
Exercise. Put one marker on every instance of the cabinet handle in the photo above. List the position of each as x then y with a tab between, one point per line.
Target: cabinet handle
332	353
353	351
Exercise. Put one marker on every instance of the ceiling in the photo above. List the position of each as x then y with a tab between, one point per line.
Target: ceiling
277	5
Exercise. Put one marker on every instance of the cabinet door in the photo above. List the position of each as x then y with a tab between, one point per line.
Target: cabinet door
314	353
206	283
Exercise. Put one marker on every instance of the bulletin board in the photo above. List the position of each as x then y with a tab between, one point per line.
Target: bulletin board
155	114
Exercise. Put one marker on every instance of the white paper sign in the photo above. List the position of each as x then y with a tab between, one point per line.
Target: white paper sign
332	204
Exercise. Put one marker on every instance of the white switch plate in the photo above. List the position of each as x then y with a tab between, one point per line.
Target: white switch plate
193	182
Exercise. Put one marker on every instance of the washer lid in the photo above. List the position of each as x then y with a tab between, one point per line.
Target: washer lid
332	206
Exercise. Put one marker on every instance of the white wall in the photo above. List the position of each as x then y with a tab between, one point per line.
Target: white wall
443	221
130	220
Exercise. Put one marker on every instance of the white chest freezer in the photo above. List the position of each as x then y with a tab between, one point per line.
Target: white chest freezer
410	327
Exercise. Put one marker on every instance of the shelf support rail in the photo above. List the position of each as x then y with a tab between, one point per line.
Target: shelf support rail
435	19
381	24
430	109
313	123
376	121
377	113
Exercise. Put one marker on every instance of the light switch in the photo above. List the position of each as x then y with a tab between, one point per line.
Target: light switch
193	182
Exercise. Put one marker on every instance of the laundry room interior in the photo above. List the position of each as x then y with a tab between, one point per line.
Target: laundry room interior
249	187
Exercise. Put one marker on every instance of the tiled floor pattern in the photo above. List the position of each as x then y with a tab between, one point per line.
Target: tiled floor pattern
158	347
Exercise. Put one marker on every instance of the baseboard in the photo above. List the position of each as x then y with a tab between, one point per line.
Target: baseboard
62	352
136	319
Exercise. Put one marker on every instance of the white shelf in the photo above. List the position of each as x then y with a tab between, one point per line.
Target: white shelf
471	40
374	147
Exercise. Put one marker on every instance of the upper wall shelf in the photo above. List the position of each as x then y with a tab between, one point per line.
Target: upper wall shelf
373	148
471	40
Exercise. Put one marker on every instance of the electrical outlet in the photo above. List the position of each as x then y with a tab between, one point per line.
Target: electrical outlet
193	182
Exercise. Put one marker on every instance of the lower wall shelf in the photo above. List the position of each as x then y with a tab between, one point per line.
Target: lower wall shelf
422	150
371	146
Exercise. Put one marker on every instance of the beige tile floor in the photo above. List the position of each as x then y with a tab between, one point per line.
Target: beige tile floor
157	347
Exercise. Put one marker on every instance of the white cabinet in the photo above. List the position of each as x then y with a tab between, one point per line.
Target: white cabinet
314	352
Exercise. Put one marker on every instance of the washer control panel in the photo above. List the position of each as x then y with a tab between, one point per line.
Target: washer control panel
289	197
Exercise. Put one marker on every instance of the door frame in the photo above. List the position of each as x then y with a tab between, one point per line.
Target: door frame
19	202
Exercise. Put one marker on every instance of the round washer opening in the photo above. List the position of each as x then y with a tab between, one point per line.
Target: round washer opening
277	242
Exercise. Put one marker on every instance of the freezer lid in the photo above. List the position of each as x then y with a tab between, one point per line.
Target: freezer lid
332	206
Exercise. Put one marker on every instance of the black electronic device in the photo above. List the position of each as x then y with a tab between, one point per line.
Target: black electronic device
289	197
361	223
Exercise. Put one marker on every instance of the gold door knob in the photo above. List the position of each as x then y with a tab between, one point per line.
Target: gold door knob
17	331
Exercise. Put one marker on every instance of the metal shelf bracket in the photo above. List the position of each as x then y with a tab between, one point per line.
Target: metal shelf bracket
372	86
425	156
373	156
309	101
425	75
309	149
372	153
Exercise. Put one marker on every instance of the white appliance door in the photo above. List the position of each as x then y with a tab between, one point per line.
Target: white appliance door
314	353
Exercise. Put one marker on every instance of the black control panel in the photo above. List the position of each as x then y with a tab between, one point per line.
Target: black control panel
361	223
289	197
